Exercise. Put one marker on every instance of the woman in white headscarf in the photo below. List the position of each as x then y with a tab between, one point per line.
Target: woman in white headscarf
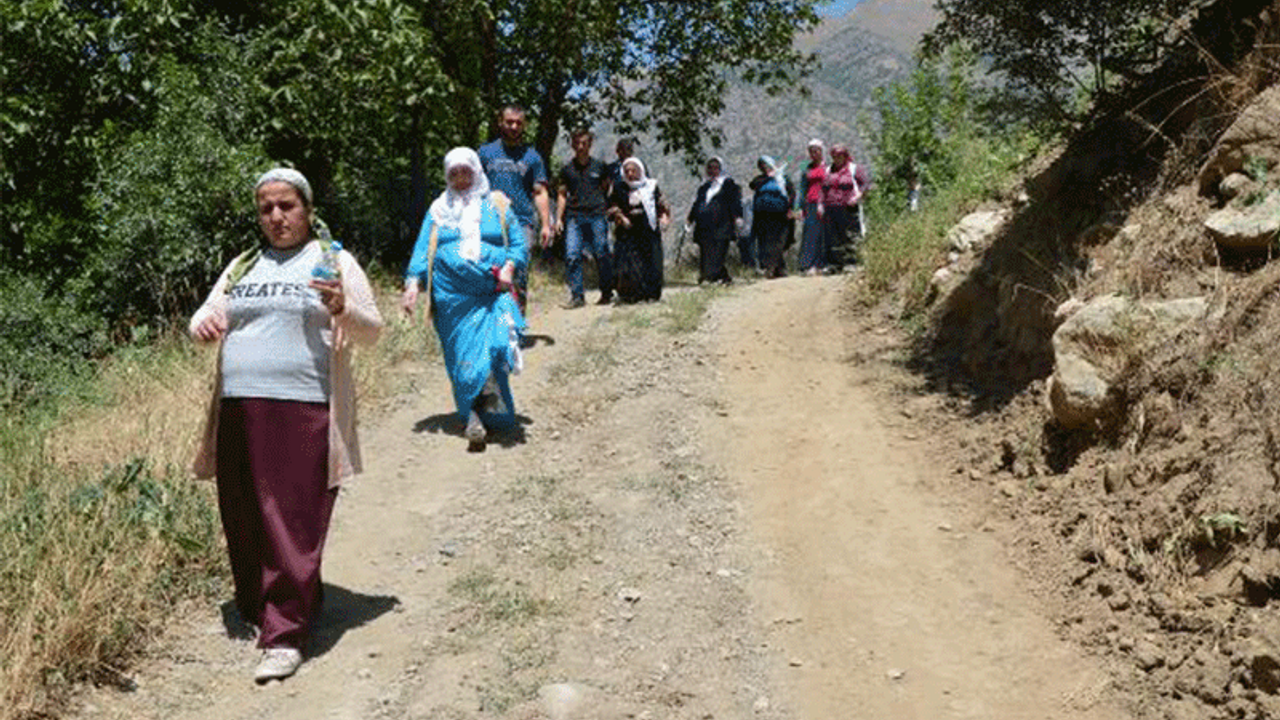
812	256
639	212
468	253
715	215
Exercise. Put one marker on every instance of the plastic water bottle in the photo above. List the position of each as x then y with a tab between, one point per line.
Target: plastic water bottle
327	267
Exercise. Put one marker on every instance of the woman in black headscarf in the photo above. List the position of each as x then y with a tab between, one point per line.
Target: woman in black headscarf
716	212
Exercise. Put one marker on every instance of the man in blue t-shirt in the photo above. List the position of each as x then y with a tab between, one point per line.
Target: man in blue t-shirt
516	169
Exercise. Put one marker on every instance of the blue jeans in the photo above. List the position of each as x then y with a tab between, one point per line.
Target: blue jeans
595	232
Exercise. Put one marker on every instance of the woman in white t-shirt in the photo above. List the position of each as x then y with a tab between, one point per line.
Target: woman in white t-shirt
280	434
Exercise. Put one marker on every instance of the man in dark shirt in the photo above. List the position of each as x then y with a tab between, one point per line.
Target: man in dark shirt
580	213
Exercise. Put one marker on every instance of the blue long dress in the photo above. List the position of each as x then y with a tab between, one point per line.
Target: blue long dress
479	328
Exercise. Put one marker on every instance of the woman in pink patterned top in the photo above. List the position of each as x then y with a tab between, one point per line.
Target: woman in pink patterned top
842	188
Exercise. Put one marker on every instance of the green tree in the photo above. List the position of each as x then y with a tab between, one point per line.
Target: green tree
376	90
925	121
67	70
173	201
660	67
105	103
1050	51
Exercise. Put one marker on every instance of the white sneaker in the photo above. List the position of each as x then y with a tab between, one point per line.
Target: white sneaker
475	433
277	664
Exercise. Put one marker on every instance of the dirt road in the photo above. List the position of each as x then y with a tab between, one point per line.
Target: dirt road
729	522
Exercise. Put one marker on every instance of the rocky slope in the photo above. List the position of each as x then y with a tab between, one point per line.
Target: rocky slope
1134	444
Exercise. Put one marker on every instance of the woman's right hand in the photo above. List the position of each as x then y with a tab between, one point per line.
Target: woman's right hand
409	299
211	328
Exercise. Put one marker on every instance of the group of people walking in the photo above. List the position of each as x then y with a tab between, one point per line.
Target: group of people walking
279	436
828	205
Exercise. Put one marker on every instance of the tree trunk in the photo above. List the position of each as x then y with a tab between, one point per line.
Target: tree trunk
549	118
417	174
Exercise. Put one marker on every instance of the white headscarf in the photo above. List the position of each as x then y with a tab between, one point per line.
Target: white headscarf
642	191
287	175
719	179
461	210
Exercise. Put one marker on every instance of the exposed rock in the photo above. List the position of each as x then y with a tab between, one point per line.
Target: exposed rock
1206	677
1258	655
1184	710
1260	577
1255	134
943	283
940	277
1078	394
1068	308
1095	343
974	230
1236	185
1148	655
562	701
1247	226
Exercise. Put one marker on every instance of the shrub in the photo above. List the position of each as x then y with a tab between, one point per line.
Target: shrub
44	342
174	204
932	127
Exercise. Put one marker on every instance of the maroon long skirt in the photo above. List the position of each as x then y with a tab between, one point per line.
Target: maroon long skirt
275	503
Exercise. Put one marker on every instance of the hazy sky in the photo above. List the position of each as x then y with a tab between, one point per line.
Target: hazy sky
837	7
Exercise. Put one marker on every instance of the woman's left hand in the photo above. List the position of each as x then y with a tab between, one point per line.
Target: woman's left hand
330	294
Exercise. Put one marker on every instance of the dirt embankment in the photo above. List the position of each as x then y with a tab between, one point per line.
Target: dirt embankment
1158	525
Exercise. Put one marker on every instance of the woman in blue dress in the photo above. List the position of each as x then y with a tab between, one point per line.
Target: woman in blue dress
468	253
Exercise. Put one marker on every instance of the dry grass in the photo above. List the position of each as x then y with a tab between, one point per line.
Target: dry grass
101	529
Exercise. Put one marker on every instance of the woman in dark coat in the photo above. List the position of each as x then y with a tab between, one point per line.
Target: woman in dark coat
716	212
637	208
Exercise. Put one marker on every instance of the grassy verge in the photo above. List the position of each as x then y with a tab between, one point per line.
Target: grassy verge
904	248
102	532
